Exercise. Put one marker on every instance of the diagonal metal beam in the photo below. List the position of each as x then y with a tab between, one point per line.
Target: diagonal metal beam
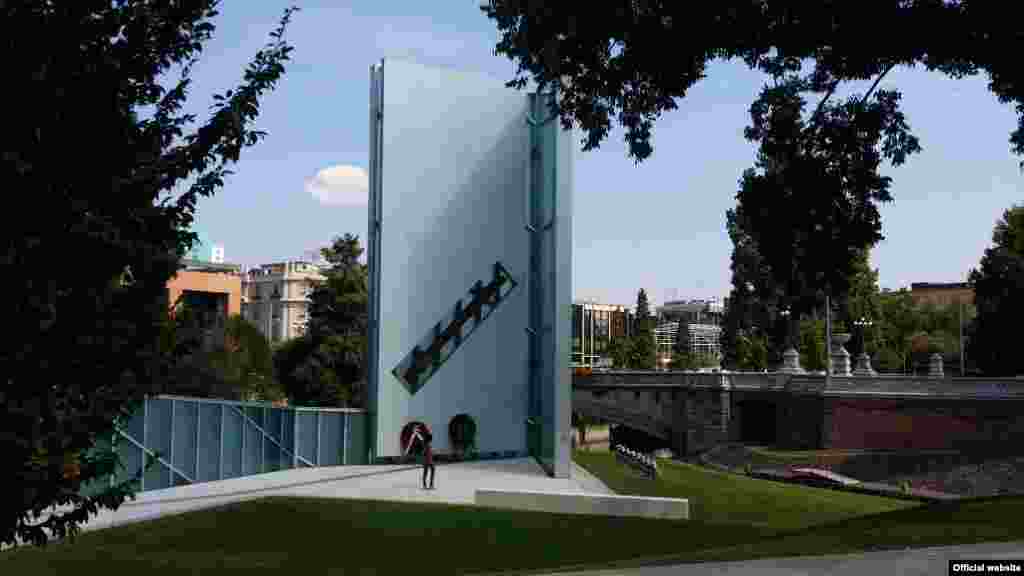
447	336
154	454
269	437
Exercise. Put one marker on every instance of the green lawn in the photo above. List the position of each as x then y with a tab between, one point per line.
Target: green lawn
729	498
320	536
733	518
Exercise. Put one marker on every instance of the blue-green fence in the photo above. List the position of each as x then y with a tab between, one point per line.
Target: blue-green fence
201	440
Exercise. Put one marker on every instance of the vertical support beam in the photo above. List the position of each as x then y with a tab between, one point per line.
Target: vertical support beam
344	437
280	436
170	457
242	423
145	429
220	446
317	459
199	415
295	438
263	441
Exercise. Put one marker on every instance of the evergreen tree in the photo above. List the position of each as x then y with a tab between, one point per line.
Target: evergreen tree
682	356
999	297
326	365
643	355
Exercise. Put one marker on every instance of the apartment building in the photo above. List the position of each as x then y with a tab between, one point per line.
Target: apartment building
212	291
942	294
594	327
702	319
275	297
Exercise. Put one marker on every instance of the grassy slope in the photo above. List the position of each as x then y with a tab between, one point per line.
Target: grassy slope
314	536
734	518
727	498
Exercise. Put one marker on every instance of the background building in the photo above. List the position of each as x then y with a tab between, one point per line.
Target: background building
945	294
212	291
275	298
594	327
701	318
665	334
204	250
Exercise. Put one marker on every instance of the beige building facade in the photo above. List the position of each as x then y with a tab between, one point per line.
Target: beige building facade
275	298
942	294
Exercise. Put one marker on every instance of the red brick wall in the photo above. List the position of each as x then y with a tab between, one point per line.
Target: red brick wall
887	424
215	282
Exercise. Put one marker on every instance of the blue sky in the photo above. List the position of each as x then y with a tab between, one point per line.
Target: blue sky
659	225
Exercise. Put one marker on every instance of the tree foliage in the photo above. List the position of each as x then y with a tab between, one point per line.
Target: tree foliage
811	203
643	352
682	357
91	343
326	365
998	285
619	350
245	360
627	63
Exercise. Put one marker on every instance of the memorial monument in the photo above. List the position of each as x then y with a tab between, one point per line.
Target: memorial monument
469	252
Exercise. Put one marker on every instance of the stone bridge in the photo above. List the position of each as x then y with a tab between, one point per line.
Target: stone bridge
696	411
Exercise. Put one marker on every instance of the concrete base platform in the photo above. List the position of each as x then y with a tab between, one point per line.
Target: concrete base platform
584	503
455	484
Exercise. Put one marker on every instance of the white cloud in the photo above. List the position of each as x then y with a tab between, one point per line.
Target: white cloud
340	185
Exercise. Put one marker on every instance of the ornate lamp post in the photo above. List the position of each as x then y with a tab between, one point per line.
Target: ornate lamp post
863	360
863	324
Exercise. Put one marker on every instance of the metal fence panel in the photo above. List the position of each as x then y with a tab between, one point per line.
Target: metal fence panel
288	438
201	440
253	442
209	442
232	442
185	426
331	439
357	439
158	431
307	435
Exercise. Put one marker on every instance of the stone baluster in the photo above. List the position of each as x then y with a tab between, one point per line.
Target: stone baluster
791	362
935	366
864	366
840	357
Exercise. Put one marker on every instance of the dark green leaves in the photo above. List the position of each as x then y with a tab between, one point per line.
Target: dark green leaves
89	347
632	60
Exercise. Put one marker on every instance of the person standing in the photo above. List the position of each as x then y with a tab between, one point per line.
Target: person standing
428	460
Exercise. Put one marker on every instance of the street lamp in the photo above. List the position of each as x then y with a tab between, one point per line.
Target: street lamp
862	325
785	312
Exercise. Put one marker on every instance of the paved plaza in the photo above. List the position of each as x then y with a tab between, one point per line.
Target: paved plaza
454	484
